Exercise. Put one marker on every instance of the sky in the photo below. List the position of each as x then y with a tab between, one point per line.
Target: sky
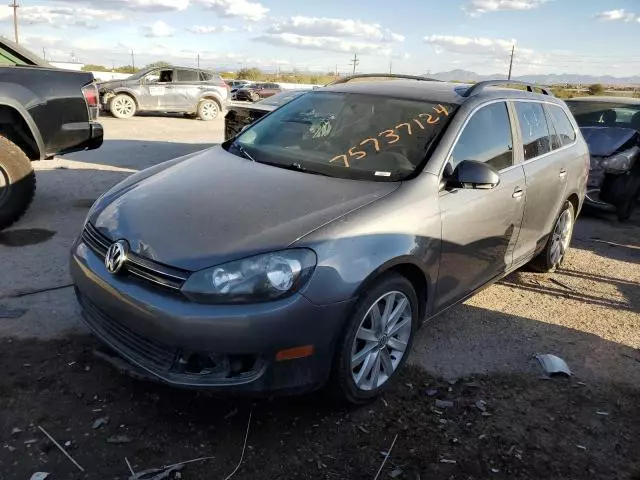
595	37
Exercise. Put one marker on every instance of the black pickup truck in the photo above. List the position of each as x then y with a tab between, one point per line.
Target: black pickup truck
44	111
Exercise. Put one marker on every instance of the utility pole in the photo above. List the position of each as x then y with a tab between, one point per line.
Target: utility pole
336	69
15	7
44	53
390	66
133	61
513	48
354	62
198	61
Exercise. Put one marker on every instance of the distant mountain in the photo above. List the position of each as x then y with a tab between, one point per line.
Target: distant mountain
550	79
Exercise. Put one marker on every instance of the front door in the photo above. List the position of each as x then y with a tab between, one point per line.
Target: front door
480	227
165	90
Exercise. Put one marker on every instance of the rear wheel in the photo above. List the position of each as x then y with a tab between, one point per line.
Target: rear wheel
208	110
122	106
17	183
558	243
377	340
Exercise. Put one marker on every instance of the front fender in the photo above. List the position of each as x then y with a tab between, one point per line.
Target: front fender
107	94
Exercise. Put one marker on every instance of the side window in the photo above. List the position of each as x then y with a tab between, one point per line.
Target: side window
486	138
535	131
152	77
564	127
166	76
188	76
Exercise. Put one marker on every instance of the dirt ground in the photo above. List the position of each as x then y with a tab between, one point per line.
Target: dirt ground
585	427
530	428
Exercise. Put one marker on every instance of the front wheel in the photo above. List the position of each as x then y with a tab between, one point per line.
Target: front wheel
558	243
122	106
377	339
17	183
208	110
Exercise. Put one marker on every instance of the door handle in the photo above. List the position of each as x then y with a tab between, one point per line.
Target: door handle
563	173
517	193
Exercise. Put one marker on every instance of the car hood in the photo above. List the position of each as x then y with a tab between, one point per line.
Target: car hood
216	207
110	84
605	141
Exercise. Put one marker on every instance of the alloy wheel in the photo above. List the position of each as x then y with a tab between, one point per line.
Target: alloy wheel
561	237
381	340
123	106
209	111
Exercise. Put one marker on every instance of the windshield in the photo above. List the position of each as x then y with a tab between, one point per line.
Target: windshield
347	135
605	114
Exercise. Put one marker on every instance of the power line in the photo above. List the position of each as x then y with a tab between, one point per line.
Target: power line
15	7
355	62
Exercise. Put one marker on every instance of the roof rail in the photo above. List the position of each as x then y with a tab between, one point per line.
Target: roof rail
480	86
383	75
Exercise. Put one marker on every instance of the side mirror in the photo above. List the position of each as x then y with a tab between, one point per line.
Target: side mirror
472	174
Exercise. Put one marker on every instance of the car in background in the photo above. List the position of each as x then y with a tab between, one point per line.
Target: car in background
611	127
239	116
166	89
256	91
309	249
235	84
44	111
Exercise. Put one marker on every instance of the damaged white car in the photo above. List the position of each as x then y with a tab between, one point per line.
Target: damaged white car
611	128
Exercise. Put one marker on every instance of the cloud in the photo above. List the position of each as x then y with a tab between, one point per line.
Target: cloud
333	44
478	7
469	45
40	40
335	27
616	15
158	29
245	9
59	16
200	30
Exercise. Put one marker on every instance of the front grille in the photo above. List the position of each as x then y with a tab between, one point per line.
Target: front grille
152	354
136	266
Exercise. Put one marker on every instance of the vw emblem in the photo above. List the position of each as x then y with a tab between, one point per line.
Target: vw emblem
116	256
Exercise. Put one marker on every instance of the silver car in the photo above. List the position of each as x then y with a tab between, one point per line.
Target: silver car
310	248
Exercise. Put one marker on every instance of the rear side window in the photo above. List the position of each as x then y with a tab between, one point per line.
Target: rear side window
188	76
536	139
486	138
206	76
563	126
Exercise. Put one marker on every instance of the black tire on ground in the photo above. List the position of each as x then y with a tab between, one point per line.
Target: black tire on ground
544	262
122	106
342	384
208	110
625	210
17	183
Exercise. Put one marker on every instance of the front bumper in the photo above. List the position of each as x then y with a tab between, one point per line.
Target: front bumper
158	331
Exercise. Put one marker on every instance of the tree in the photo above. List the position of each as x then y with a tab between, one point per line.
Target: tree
159	64
596	89
249	74
126	69
94	68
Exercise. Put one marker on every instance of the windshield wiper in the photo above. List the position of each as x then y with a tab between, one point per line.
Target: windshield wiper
243	151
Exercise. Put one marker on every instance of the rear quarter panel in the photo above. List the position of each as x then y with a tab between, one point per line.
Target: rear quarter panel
54	101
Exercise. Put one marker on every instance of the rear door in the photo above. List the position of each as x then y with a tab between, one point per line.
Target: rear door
546	159
480	227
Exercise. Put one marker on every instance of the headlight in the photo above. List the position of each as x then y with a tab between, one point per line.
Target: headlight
254	279
621	162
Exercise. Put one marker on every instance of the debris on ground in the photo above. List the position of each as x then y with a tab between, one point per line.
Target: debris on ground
396	473
11	313
443	403
164	473
100	422
481	405
15	431
117	439
61	448
39	476
553	365
386	457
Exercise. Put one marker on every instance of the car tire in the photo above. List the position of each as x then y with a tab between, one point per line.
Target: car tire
122	106
368	356
558	242
625	210
17	183
208	110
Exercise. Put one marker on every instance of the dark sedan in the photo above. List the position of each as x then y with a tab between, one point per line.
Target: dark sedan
257	91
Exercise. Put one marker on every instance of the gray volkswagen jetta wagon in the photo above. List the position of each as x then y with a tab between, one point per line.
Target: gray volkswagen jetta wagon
308	249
